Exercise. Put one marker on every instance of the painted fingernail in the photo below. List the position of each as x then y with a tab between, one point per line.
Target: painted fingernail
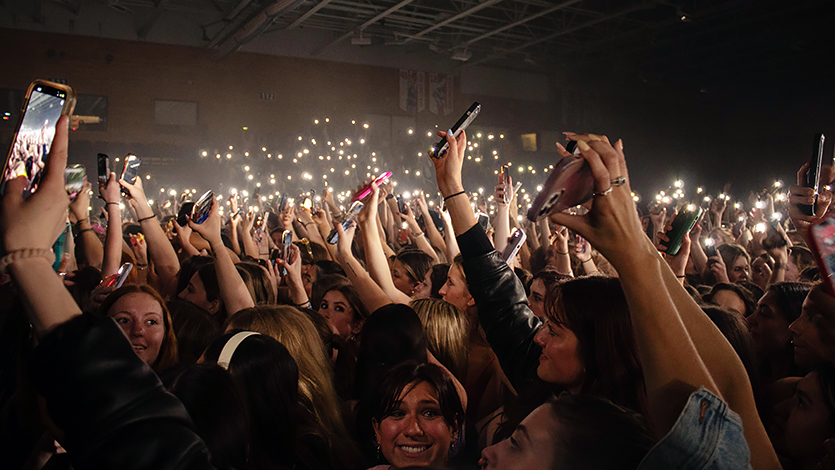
450	133
583	145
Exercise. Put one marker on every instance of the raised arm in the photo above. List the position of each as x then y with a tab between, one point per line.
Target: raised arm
113	236
680	348
432	233
418	236
29	228
160	251
233	291
501	224
375	258
370	293
88	247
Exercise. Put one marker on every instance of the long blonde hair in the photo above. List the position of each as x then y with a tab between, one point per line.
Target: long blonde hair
292	328
445	327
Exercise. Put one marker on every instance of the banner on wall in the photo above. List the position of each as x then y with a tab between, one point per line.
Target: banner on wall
440	93
411	91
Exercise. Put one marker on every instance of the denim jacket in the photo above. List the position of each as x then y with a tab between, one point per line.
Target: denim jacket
706	436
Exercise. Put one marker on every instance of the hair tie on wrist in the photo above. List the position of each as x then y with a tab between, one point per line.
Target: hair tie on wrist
26	253
453	195
679	277
561	253
109	203
146	218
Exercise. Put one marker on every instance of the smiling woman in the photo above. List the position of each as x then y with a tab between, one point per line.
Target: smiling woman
141	313
417	416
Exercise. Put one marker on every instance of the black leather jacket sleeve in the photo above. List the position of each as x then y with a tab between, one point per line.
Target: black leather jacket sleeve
112	408
502	305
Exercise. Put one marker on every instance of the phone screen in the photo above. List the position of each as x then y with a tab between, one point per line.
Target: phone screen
131	168
823	234
34	138
103	168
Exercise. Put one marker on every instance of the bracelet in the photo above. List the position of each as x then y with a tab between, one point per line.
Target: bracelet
109	203
590	260
26	253
389	196
418	235
679	277
304	304
561	253
146	218
453	195
82	220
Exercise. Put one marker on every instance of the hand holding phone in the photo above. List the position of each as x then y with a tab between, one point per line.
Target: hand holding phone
681	226
517	239
103	163
353	212
440	149
44	103
122	275
202	208
130	171
366	189
812	177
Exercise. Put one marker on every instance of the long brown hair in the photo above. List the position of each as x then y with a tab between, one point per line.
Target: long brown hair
595	310
168	353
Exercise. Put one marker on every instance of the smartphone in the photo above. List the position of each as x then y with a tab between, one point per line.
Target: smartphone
74	179
483	220
710	248
681	226
570	184
123	272
401	204
282	205
773	237
355	209
130	171
440	149
366	190
43	104
813	175
823	248
517	239
287	244
202	208
185	210
103	167
504	177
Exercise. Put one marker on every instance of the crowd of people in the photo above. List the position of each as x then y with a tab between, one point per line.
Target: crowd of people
409	343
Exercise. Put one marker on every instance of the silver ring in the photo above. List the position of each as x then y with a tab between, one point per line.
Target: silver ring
604	193
619	181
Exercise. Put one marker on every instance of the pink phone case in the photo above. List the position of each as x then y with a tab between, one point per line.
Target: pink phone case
570	184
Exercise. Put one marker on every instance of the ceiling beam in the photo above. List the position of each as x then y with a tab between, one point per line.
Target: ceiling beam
562	32
449	20
362	26
517	23
142	32
308	14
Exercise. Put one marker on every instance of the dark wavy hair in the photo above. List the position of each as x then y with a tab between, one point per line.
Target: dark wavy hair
594	433
595	310
417	264
220	417
269	378
743	293
789	297
402	378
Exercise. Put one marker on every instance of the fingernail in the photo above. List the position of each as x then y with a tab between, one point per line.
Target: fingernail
583	145
450	133
569	133
594	138
619	144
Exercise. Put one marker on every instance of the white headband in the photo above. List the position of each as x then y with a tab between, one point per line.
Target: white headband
230	347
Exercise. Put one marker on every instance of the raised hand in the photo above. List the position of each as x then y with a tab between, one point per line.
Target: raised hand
79	206
448	167
210	228
802	195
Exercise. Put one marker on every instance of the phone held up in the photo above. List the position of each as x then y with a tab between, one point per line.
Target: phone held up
355	209
570	184
202	207
823	248
122	273
103	162
44	103
366	190
130	171
517	238
440	149
681	226
814	173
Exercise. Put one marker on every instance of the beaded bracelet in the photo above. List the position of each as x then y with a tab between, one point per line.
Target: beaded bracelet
26	253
